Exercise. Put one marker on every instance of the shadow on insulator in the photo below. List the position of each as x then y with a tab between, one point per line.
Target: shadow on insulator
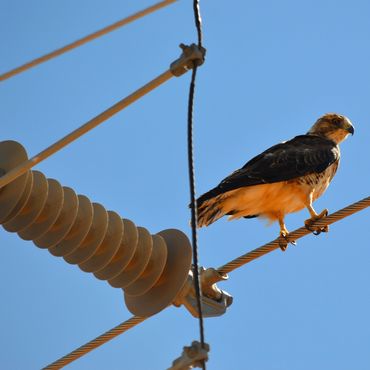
151	269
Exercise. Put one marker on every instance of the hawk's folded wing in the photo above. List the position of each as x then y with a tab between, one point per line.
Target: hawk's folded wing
300	156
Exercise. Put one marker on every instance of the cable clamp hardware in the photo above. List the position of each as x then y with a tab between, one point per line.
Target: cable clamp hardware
191	357
192	56
214	300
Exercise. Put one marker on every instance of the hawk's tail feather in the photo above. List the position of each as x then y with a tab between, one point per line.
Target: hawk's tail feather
210	210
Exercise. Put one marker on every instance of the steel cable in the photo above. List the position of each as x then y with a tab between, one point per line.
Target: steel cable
82	130
95	343
86	39
197	285
294	235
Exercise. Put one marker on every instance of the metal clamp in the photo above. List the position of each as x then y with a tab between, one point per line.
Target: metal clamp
214	300
191	357
192	56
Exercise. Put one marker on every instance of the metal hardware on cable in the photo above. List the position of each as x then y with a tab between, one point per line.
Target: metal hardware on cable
214	300
85	39
191	357
192	56
95	343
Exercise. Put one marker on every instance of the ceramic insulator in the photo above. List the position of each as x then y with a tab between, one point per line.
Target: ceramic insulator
151	269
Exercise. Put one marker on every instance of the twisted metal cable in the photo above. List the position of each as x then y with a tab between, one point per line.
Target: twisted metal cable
82	130
86	39
194	216
198	22
95	343
193	202
294	235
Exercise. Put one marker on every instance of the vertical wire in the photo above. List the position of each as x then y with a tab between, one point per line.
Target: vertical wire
197	286
198	22
194	203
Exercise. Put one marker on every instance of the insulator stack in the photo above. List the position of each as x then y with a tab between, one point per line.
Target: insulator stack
151	269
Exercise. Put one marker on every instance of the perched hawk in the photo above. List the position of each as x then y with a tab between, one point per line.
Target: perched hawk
283	179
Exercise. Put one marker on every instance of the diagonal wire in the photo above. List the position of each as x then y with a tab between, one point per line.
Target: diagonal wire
296	234
197	286
95	343
86	39
82	130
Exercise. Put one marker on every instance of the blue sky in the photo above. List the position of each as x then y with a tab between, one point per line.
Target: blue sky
272	69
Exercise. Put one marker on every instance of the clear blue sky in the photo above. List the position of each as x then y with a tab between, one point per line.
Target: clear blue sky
272	68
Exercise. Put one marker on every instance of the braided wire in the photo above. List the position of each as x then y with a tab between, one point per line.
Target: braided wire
85	128
97	342
294	235
85	39
194	216
197	286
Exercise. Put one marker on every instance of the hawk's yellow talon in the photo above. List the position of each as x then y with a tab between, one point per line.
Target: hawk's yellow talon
284	240
318	230
323	214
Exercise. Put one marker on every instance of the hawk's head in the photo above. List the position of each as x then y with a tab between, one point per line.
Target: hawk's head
332	126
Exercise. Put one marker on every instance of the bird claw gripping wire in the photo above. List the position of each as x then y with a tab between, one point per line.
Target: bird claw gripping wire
214	300
284	240
317	230
191	357
192	56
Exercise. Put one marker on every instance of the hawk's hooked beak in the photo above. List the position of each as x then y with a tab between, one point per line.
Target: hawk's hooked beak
351	130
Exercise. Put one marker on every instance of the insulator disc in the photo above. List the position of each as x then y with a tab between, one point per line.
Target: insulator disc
11	155
63	223
172	280
108	248
153	271
23	200
49	214
93	239
124	254
34	205
78	231
138	263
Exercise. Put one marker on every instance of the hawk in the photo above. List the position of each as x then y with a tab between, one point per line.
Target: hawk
283	179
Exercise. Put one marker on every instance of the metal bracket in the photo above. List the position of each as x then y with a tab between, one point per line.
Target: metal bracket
192	56
214	300
191	357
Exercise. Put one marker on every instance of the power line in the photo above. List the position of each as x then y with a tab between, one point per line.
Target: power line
236	263
197	285
86	39
198	288
190	57
95	343
230	266
82	130
198	22
296	234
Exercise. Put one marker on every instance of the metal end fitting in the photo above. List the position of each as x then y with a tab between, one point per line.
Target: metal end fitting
214	300
192	56
191	357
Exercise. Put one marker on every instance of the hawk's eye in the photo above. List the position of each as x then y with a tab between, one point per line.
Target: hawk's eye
337	121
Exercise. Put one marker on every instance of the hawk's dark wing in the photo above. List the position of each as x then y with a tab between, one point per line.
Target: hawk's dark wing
300	156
